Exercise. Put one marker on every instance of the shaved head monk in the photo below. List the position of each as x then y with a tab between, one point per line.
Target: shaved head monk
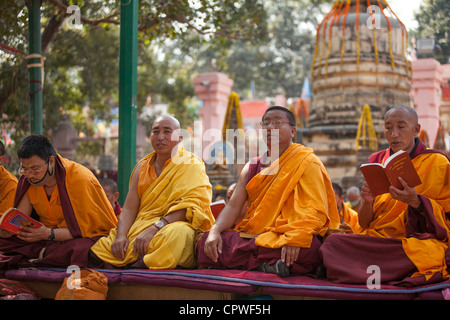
66	198
404	232
168	200
290	205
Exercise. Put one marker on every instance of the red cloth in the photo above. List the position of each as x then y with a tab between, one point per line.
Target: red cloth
240	253
16	253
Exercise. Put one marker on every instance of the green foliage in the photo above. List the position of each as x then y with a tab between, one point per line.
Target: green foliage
270	42
434	22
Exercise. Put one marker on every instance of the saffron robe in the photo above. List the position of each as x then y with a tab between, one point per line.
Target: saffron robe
290	203
8	185
78	203
350	217
182	184
423	239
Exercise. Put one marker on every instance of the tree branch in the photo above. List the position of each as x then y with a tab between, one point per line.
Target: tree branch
107	19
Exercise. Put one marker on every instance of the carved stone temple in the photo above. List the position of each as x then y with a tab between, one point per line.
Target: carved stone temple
360	58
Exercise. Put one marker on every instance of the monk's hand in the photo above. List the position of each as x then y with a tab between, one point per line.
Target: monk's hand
142	241
119	247
34	234
408	195
289	254
5	233
366	194
213	245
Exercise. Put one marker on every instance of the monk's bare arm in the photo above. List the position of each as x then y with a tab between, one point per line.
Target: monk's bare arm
42	233
130	207
177	215
365	212
226	219
232	210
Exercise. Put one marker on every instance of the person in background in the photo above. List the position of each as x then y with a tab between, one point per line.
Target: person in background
112	193
354	198
8	184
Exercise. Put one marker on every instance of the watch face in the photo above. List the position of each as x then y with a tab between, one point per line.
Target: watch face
159	224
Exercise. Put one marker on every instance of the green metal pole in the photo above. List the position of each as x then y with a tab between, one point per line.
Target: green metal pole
127	93
35	75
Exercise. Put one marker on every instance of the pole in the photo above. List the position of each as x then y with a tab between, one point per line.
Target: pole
127	93
34	68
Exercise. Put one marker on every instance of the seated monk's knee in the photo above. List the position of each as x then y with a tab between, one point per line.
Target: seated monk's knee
172	246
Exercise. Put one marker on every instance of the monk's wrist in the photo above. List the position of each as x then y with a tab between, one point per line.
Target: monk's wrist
417	205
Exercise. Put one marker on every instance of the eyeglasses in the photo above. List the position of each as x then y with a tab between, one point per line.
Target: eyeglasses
32	171
275	123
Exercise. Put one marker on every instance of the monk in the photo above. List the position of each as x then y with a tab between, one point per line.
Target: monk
8	184
354	198
348	217
167	202
405	232
112	193
66	198
290	206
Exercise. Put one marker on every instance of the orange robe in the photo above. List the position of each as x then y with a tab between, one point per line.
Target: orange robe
182	184
407	246
78	203
87	212
390	216
350	217
8	185
291	201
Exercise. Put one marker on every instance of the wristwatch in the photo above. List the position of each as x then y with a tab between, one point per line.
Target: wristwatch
52	235
159	224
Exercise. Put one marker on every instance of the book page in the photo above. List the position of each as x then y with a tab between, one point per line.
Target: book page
402	166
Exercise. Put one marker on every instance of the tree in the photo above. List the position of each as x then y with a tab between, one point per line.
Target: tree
434	22
82	64
277	63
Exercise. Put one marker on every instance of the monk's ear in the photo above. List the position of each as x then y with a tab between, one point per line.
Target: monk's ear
51	160
293	131
417	129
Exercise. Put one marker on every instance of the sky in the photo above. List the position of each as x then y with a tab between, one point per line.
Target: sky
404	9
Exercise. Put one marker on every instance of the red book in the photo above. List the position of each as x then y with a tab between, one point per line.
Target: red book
379	177
217	207
14	220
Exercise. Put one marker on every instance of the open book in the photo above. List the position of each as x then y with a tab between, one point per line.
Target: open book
13	220
379	177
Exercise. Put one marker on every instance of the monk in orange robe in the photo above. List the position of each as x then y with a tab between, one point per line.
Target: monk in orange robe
290	206
66	198
348	217
168	201
404	232
8	184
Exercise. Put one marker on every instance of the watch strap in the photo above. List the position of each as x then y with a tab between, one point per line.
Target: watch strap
52	235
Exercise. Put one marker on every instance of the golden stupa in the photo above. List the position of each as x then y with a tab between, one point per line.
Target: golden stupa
360	59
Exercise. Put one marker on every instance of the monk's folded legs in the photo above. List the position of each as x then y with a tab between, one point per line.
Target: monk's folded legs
172	246
239	253
350	258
